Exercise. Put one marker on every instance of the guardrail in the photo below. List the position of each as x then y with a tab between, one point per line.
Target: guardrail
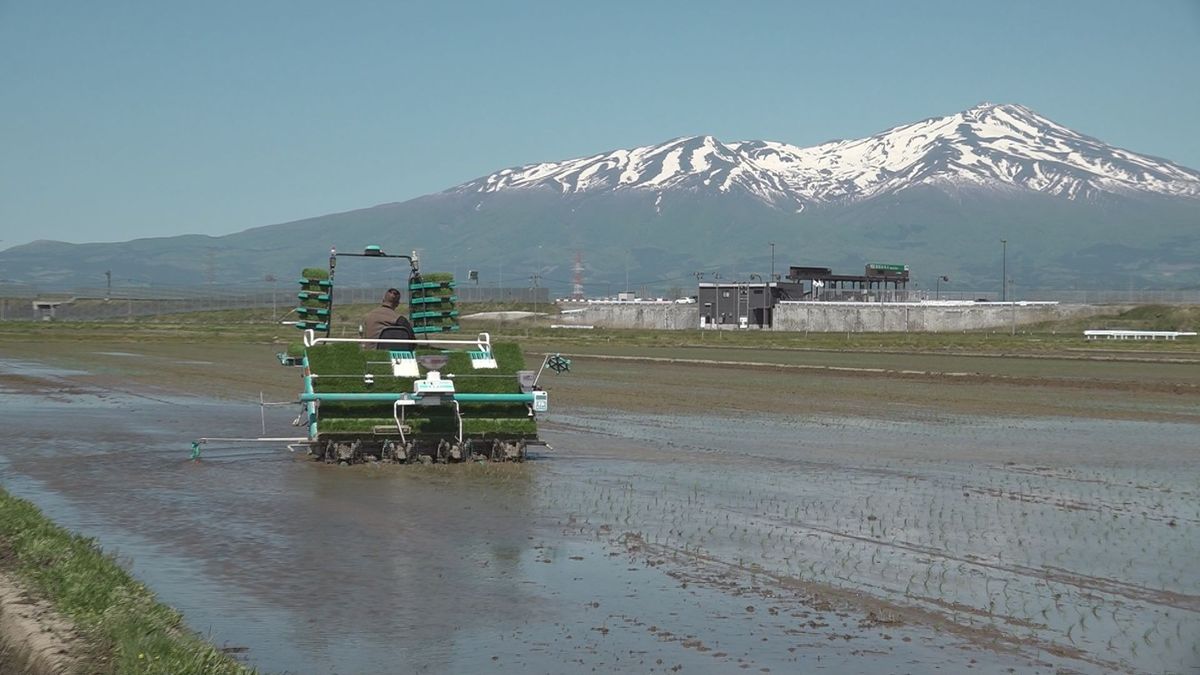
1136	334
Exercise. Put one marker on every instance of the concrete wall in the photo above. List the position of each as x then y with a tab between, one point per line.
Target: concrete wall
822	317
657	316
883	317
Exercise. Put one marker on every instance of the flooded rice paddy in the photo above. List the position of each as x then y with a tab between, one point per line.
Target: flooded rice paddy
691	541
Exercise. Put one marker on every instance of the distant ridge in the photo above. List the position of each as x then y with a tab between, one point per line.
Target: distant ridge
937	195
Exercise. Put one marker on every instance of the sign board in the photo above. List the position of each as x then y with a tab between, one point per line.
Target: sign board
887	270
433	386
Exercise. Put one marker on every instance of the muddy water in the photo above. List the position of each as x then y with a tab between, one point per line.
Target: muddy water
645	542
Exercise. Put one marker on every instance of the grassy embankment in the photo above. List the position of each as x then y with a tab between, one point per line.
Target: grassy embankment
256	326
126	630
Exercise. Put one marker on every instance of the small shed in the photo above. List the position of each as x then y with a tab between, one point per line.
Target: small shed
46	309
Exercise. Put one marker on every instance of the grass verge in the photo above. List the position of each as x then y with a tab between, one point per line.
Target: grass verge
127	629
255	326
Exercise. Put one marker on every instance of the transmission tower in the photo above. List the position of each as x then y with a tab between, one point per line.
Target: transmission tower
577	279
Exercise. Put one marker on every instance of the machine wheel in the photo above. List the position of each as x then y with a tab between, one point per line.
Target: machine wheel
345	453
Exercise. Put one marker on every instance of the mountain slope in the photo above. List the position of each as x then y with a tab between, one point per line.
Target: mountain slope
937	195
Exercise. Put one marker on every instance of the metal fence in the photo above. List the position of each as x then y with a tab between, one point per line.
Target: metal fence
20	302
25	303
1075	297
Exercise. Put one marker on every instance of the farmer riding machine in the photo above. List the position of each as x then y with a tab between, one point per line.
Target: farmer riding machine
425	395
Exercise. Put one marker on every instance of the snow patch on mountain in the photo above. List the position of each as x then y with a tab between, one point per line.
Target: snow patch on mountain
999	147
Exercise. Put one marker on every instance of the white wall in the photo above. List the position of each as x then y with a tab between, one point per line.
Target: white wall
821	317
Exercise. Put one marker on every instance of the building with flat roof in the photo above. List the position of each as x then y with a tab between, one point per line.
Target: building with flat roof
877	278
750	304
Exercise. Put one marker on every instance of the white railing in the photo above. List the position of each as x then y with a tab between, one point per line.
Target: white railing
1135	334
922	303
483	342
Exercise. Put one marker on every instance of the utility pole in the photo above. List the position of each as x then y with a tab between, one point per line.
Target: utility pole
626	270
772	261
533	279
717	309
274	307
108	289
937	292
1013	312
1004	270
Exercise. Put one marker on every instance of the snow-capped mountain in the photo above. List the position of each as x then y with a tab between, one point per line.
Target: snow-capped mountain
997	147
938	195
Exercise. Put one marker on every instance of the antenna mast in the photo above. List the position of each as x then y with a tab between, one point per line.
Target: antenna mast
577	279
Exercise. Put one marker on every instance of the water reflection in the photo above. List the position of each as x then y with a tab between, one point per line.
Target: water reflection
655	542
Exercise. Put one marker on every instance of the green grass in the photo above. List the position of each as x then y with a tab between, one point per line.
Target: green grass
1157	317
995	342
128	629
1055	337
257	326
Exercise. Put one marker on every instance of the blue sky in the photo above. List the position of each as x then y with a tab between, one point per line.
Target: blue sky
122	120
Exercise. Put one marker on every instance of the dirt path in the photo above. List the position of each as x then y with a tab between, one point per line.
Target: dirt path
33	637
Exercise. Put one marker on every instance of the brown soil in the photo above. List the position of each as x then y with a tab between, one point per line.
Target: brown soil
638	384
33	637
227	371
652	385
